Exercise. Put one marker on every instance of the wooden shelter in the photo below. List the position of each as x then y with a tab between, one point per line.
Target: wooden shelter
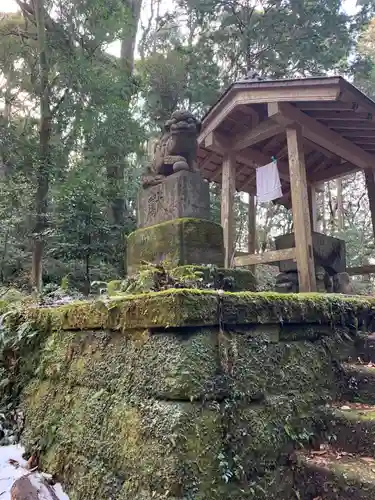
318	129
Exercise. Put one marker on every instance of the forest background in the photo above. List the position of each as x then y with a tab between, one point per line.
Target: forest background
85	84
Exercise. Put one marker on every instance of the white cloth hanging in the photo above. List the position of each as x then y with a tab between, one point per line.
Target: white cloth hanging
268	182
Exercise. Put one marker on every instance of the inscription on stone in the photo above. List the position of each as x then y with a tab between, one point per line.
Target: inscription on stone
183	194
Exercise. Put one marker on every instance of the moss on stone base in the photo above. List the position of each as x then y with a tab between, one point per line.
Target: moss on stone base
167	366
146	446
264	434
255	366
191	307
175	243
235	280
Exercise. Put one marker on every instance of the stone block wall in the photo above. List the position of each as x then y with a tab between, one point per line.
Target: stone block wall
184	394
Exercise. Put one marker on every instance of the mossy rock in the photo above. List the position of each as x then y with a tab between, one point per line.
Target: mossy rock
256	367
176	243
263	434
175	365
153	446
235	280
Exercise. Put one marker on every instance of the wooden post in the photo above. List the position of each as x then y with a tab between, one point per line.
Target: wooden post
300	208
251	227
227	209
370	184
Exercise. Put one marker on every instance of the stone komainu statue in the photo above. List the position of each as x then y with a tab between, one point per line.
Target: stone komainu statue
176	150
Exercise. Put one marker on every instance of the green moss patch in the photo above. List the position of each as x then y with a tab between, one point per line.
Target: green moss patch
114	287
187	307
169	366
255	367
146	445
264	434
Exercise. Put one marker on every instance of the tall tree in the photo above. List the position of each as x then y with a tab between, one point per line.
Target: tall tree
42	174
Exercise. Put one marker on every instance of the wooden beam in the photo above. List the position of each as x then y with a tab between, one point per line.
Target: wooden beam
327	106
356	271
300	208
348	116
250	157
342	126
333	172
227	209
249	111
354	135
265	258
265	130
366	141
206	161
216	142
370	184
240	95
322	135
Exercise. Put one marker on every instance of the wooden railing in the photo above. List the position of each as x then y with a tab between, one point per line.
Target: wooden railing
273	256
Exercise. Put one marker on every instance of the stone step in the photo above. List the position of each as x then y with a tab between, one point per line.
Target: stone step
330	475
357	382
351	427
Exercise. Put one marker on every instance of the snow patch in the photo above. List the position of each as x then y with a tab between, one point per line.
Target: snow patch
13	466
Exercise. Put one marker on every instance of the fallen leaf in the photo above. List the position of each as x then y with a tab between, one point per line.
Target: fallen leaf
14	462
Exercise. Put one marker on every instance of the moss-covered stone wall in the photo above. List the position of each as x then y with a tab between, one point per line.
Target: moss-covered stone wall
184	394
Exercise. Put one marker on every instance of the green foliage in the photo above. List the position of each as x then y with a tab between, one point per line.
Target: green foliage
94	142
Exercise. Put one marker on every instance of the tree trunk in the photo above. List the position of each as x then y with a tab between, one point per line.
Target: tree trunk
130	34
42	176
340	207
4	254
324	224
115	172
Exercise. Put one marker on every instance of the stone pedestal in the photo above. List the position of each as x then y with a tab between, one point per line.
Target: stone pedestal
183	194
173	225
329	252
176	243
330	265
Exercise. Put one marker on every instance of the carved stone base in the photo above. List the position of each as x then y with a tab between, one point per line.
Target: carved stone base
287	282
183	194
176	243
329	252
